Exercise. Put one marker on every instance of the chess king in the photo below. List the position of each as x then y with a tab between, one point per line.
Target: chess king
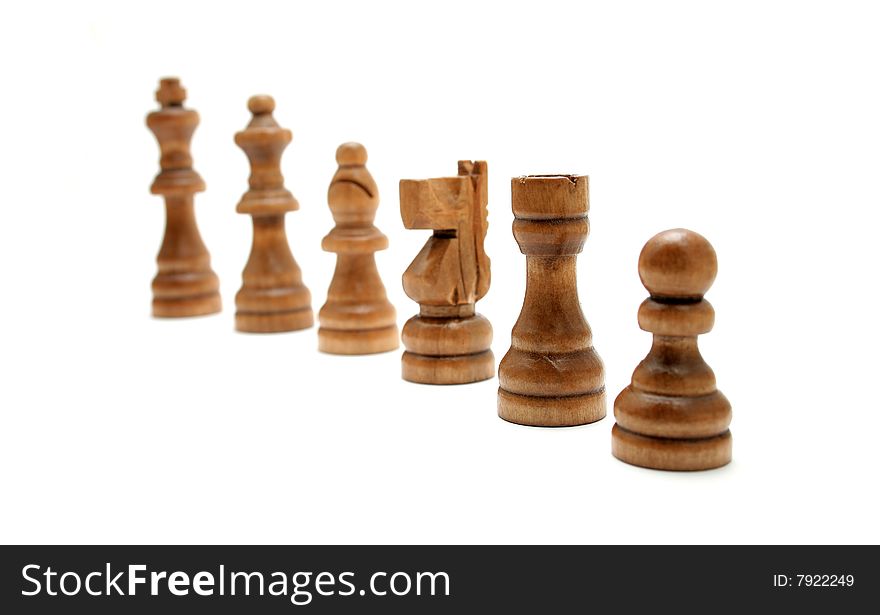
448	342
185	284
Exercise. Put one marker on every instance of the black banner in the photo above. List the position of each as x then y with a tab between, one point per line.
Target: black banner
420	579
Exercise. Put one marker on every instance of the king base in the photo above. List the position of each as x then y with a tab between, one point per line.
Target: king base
274	322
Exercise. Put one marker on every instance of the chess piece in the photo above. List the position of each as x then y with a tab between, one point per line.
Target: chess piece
272	297
672	417
185	284
357	317
448	342
551	376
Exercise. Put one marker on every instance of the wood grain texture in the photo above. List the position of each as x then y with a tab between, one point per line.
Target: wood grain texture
272	297
357	317
552	375
672	416
185	284
448	342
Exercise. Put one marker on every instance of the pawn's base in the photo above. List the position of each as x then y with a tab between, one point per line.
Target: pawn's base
453	369
536	411
669	453
274	322
358	341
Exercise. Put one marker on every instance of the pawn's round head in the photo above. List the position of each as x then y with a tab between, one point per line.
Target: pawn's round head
678	264
351	154
261	104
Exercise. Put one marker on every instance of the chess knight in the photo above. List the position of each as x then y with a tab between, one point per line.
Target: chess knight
448	342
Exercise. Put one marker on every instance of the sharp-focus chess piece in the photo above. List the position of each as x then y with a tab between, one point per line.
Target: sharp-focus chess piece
272	297
551	376
357	317
185	284
672	417
448	342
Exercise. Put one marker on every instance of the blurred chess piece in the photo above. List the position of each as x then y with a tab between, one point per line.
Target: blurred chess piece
185	285
272	297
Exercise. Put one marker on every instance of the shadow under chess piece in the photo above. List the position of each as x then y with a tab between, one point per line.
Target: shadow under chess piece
672	416
357	317
552	375
272	297
448	342
185	285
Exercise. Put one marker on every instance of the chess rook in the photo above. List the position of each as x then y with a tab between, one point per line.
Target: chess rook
448	342
272	297
551	376
672	416
185	284
357	317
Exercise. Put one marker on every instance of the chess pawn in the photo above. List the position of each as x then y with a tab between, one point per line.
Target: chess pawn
357	317
551	376
671	417
272	297
185	284
448	342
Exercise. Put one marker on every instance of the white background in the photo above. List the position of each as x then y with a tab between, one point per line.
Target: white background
753	123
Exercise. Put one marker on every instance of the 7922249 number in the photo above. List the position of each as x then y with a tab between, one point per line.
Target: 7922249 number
825	580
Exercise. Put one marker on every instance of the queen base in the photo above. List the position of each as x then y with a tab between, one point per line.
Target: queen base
274	322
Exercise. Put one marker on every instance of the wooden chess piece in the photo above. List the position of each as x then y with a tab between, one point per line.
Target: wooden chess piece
357	317
185	284
672	417
551	376
448	342
272	297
